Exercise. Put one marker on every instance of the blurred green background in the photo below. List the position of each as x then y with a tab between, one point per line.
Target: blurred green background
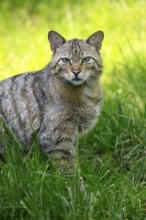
24	26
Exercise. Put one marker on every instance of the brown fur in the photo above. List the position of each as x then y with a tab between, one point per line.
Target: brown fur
59	102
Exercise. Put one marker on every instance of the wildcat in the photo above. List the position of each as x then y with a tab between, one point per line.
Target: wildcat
59	102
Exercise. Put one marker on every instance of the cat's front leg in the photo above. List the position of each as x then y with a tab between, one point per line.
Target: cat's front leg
62	155
58	141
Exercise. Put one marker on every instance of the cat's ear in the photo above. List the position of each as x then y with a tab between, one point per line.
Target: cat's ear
56	40
96	39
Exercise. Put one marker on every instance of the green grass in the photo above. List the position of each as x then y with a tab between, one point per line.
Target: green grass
112	157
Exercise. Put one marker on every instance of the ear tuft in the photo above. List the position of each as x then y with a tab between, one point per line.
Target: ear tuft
96	39
56	40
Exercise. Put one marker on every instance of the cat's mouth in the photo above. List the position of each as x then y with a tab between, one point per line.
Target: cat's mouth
77	81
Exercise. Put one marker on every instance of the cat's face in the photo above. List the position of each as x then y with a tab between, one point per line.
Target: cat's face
76	61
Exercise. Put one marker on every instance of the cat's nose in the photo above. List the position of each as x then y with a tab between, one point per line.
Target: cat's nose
76	72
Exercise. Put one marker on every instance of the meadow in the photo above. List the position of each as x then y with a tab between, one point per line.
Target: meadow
112	157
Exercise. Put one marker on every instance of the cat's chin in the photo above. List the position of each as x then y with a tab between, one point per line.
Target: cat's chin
77	82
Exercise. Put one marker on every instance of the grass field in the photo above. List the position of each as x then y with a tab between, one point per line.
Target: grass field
112	157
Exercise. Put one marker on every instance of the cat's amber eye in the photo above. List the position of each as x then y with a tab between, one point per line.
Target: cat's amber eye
65	60
86	59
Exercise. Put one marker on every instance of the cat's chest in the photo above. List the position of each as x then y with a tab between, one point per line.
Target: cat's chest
78	107
82	113
85	117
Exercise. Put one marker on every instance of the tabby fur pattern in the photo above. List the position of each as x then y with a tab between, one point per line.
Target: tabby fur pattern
59	102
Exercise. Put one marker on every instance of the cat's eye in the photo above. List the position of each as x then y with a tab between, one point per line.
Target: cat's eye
86	59
65	60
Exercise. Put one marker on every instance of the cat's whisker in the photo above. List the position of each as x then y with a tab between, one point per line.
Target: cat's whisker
90	82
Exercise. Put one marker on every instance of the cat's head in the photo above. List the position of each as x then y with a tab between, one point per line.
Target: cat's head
76	61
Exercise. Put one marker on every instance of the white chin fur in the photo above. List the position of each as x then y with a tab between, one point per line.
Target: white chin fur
77	83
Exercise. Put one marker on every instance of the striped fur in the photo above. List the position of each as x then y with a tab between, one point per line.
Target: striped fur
59	102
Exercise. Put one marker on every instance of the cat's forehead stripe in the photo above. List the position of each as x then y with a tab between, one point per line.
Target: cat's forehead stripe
75	47
75	43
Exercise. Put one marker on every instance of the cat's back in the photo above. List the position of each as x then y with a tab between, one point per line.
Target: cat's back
15	88
20	103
